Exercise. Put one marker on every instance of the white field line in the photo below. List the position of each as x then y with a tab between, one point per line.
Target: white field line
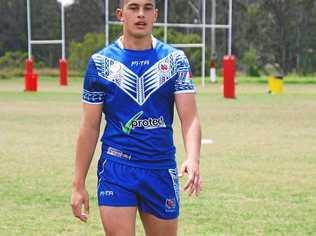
207	141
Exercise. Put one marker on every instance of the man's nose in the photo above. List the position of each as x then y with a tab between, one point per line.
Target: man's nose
141	12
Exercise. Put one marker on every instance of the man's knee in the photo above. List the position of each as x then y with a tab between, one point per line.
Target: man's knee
116	228
118	221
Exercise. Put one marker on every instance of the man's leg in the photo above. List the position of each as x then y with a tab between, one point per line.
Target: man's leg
118	221
155	226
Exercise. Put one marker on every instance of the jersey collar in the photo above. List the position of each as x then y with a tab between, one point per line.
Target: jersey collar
153	40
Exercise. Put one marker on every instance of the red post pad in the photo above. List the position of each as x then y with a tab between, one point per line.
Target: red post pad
63	69
229	72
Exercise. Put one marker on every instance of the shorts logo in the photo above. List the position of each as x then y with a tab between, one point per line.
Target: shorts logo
107	193
170	203
150	123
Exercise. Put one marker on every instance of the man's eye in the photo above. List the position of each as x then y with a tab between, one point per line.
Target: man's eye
148	7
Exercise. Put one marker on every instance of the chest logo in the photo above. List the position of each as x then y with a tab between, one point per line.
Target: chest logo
150	123
164	67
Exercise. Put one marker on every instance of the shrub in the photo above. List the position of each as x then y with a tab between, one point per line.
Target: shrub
250	59
81	51
13	60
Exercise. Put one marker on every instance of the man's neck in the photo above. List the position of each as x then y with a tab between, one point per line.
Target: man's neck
134	43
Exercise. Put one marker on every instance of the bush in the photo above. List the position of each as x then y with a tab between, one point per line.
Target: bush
250	60
13	60
81	51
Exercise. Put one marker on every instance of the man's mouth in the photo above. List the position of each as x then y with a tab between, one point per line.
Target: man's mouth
141	24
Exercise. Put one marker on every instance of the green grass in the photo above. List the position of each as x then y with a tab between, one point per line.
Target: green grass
290	79
259	175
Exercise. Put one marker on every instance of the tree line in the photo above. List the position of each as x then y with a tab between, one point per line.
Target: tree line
266	33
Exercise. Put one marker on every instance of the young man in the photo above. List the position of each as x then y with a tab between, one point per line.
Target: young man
135	82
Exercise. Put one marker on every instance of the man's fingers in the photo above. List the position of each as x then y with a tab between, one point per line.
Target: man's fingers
191	190
189	182
83	217
86	206
193	184
196	185
76	209
183	171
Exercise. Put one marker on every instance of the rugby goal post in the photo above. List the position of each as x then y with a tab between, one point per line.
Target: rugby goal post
165	24
29	73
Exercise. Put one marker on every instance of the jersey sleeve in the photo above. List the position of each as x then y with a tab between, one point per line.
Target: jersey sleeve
184	82
92	92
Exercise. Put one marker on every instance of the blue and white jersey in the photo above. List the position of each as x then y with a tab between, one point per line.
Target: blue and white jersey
137	90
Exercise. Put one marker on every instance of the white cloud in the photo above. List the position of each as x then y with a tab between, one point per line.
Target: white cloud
66	3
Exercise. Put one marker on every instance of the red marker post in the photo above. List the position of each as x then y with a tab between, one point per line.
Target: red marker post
28	66
63	70
30	78
229	73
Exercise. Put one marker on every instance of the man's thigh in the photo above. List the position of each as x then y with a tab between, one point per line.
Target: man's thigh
158	227
118	221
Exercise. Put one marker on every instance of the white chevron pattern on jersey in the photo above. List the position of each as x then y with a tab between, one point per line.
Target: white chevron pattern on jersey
138	88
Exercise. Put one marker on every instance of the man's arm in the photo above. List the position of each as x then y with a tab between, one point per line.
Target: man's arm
191	131
86	143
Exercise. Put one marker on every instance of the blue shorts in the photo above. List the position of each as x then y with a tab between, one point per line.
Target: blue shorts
153	191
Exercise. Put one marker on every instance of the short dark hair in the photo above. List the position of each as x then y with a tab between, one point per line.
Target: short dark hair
122	3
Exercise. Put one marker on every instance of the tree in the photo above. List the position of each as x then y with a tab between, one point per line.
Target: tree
281	32
13	26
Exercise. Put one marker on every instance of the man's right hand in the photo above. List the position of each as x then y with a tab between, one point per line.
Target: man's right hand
80	204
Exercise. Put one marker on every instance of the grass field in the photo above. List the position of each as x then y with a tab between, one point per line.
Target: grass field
259	174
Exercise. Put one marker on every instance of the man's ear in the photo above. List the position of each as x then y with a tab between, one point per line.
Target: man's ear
119	14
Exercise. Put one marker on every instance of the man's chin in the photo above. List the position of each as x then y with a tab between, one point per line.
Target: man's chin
141	35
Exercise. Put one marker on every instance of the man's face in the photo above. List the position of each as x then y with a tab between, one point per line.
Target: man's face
138	17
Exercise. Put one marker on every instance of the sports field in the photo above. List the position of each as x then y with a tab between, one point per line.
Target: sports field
259	174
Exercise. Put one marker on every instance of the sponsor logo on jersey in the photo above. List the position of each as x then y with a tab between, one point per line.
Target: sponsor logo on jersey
150	123
140	63
118	153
